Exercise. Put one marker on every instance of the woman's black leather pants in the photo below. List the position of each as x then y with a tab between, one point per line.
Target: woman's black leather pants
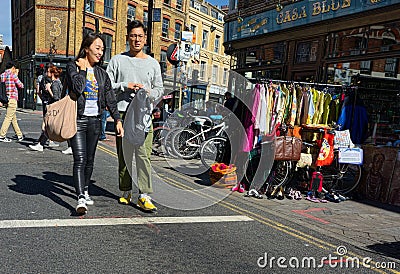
83	146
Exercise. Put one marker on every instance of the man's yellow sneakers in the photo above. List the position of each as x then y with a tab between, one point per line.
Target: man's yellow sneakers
146	204
126	198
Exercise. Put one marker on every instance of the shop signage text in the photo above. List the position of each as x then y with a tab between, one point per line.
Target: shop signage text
298	14
317	8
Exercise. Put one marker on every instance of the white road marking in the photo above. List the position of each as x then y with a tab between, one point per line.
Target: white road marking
121	221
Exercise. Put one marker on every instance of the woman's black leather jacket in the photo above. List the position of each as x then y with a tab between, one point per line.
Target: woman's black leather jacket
76	80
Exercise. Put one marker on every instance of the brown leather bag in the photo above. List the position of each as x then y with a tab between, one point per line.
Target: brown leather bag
60	120
287	148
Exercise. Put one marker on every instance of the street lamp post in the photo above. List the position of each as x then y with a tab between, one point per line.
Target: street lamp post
52	51
149	25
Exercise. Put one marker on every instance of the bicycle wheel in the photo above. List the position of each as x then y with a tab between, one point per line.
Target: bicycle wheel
215	150
186	143
159	134
342	178
280	173
167	142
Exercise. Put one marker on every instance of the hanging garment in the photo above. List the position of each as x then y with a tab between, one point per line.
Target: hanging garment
293	111
325	155
311	108
354	117
250	120
325	114
263	110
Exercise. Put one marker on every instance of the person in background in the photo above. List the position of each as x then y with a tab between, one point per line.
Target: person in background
229	101
42	84
52	92
104	117
10	77
90	86
129	72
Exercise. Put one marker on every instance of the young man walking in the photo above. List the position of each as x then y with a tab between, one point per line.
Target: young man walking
10	77
129	72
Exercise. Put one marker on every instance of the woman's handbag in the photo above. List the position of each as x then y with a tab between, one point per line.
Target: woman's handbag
287	148
60	120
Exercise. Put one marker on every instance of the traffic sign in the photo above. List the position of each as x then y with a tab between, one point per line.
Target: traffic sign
172	54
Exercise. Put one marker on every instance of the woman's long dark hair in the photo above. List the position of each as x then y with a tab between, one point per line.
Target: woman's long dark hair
87	42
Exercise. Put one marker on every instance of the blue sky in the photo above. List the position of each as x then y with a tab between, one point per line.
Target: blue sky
218	2
5	21
5	18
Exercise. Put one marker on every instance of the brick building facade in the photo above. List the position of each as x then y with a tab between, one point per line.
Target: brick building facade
52	30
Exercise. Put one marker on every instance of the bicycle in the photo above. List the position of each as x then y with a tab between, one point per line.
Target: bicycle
186	142
163	131
338	177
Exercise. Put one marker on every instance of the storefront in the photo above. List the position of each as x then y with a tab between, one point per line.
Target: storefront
316	41
344	42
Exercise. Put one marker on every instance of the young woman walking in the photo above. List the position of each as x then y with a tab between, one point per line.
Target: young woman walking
90	86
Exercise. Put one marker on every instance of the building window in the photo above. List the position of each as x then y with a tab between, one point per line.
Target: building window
145	17
179	4
168	2
204	9
216	43
214	14
391	67
225	77
178	30
89	6
108	8
131	12
195	4
365	67
165	27
307	52
108	44
87	31
214	76
163	61
193	29
204	43
202	69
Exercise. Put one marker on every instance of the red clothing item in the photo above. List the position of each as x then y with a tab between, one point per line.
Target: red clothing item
12	82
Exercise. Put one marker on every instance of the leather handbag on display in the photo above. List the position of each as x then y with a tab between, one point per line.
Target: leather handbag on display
60	120
287	148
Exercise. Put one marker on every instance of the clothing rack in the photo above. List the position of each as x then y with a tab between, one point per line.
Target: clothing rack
265	80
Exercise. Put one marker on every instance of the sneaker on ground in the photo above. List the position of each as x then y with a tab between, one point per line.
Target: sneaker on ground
37	147
52	144
20	138
5	140
67	151
16	137
126	198
81	208
146	204
88	200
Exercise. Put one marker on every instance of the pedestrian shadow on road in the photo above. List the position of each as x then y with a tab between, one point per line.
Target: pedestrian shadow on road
94	189
30	185
54	186
390	249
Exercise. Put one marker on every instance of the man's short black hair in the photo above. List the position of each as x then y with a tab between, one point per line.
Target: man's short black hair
10	64
136	24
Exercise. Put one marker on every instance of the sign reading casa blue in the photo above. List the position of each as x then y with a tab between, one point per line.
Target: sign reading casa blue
298	14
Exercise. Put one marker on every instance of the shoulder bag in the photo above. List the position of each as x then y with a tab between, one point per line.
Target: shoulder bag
287	148
60	120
